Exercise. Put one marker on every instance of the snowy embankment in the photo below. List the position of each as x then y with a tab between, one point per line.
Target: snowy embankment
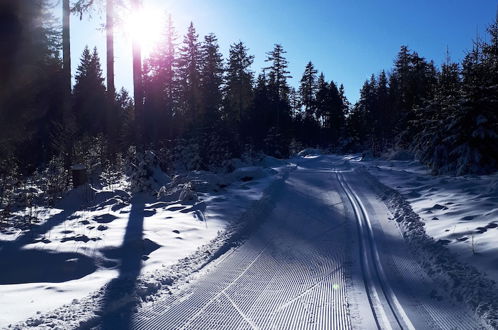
452	225
101	249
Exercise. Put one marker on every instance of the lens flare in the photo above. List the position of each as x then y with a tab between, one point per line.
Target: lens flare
145	26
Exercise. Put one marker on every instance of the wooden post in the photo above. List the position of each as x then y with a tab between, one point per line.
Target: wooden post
78	172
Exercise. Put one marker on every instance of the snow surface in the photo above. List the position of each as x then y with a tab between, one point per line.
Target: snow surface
101	253
459	212
58	274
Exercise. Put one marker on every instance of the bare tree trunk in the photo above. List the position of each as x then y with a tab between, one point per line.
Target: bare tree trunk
66	47
138	93
66	70
111	90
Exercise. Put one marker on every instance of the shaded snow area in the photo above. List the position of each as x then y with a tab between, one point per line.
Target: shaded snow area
101	250
452	223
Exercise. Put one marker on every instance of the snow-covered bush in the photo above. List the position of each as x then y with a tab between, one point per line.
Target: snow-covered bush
217	153
295	147
112	171
187	193
54	180
9	180
139	169
143	171
93	153
251	155
186	155
276	144
207	151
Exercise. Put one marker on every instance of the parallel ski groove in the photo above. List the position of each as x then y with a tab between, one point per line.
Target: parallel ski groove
371	266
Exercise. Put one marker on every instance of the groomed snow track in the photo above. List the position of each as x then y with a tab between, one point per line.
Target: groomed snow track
289	275
325	257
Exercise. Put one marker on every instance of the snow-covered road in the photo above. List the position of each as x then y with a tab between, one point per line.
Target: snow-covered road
326	257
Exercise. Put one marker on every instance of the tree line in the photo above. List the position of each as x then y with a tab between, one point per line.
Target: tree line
191	102
447	116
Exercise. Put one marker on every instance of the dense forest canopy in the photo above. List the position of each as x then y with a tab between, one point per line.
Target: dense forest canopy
194	105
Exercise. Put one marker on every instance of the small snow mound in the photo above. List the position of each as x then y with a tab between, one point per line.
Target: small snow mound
159	177
251	173
269	161
492	188
77	197
187	193
309	152
203	181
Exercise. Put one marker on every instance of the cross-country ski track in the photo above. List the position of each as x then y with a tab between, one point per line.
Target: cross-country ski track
326	257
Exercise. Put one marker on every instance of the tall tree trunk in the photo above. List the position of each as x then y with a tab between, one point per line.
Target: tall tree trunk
111	90
66	48
67	120
138	93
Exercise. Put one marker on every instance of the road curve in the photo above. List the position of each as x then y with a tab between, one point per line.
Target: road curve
326	257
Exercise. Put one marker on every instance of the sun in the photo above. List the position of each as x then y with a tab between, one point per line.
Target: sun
145	26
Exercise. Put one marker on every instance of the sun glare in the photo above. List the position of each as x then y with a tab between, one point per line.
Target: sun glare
145	25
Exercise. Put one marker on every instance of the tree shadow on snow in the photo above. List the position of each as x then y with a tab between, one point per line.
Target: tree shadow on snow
21	265
118	301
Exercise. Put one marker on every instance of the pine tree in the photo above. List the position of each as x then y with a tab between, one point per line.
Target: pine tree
277	73
160	88
31	84
278	92
238	91
380	115
260	118
90	95
321	98
359	121
307	90
429	142
189	76
211	79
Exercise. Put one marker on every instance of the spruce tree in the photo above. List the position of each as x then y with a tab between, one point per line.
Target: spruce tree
89	102
307	90
160	88
238	91
277	73
189	62
211	79
31	84
278	137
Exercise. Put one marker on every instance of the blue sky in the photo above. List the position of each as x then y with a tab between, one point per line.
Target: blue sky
348	40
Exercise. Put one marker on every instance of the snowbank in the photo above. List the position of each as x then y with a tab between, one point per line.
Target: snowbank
459	212
309	152
462	282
